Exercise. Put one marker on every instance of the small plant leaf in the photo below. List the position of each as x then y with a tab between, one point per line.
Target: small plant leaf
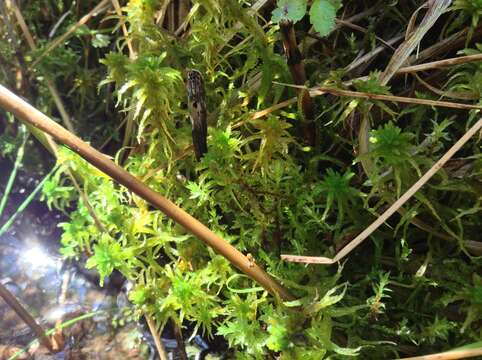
322	16
293	10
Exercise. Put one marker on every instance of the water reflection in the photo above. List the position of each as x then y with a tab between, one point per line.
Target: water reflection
36	261
56	293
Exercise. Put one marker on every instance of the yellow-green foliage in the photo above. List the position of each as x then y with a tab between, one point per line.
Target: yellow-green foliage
264	191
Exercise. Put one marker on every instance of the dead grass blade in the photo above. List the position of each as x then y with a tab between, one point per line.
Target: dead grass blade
400	99
441	63
321	90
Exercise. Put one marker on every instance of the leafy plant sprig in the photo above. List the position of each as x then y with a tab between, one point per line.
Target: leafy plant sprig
322	13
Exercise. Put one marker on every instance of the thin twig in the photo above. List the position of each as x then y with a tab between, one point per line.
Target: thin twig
112	134
23	25
363	30
402	99
157	340
395	206
267	111
358	16
352	19
25	316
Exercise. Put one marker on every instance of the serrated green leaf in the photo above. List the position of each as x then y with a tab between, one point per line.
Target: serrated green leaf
322	16
293	10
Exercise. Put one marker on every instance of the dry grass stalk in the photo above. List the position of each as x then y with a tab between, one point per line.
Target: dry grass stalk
441	63
401	99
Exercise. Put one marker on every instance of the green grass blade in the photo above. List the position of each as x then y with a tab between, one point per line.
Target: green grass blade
25	203
13	174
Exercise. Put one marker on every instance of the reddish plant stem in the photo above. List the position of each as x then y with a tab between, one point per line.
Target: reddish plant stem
28	319
297	70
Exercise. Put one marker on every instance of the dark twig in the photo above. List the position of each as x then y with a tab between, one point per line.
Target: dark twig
297	69
181	347
25	316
